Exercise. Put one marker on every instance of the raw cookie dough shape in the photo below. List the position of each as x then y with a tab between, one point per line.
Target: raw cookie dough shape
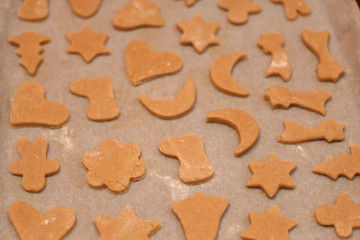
281	97
271	175
328	68
113	165
29	50
99	91
347	165
190	3
189	149
329	130
272	43
85	8
197	32
220	74
244	124
238	10
30	224
33	10
176	107
87	43
33	165
269	225
344	215
142	64
29	108
125	226
292	7
138	13
200	215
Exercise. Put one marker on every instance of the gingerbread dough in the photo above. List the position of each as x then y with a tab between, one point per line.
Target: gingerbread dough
292	7
190	3
200	215
29	108
238	10
189	149
138	13
99	91
85	8
33	10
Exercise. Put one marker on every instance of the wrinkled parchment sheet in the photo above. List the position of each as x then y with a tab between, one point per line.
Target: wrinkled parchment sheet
153	196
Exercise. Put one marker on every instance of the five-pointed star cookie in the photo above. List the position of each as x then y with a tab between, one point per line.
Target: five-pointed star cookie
125	226
271	175
198	33
268	225
87	43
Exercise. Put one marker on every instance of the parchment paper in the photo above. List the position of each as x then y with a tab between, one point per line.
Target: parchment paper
153	196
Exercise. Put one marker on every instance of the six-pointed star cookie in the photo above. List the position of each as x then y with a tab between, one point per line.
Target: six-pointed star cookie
87	43
198	33
125	226
271	175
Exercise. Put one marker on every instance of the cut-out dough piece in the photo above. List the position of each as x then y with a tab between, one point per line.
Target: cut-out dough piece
268	225
272	43
281	97
33	10
33	165
271	175
176	107
113	165
344	215
87	43
29	108
329	130
190	3
328	68
125	226
200	215
99	91
244	124
220	74
29	50
142	64
347	165
292	7
199	33
238	10
189	149
85	8
30	224
138	13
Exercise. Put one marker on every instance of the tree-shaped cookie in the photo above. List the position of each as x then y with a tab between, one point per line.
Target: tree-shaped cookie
238	10
33	165
113	165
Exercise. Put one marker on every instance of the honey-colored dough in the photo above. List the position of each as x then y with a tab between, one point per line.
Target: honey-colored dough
29	108
113	165
292	7
125	226
328	68
244	124
189	149
190	3
198	32
176	107
34	10
281	97
238	10
220	74
99	91
138	13
200	215
32	225
142	64
29	50
85	8
329	130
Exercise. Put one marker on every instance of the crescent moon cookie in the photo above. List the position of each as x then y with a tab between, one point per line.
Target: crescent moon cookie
238	10
34	10
292	7
220	74
85	8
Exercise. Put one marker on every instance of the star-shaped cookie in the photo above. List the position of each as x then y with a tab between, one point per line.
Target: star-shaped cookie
268	225
125	226
198	33
87	43
271	175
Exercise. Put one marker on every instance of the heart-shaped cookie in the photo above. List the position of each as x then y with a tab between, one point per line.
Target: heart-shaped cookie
29	108
142	64
30	224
